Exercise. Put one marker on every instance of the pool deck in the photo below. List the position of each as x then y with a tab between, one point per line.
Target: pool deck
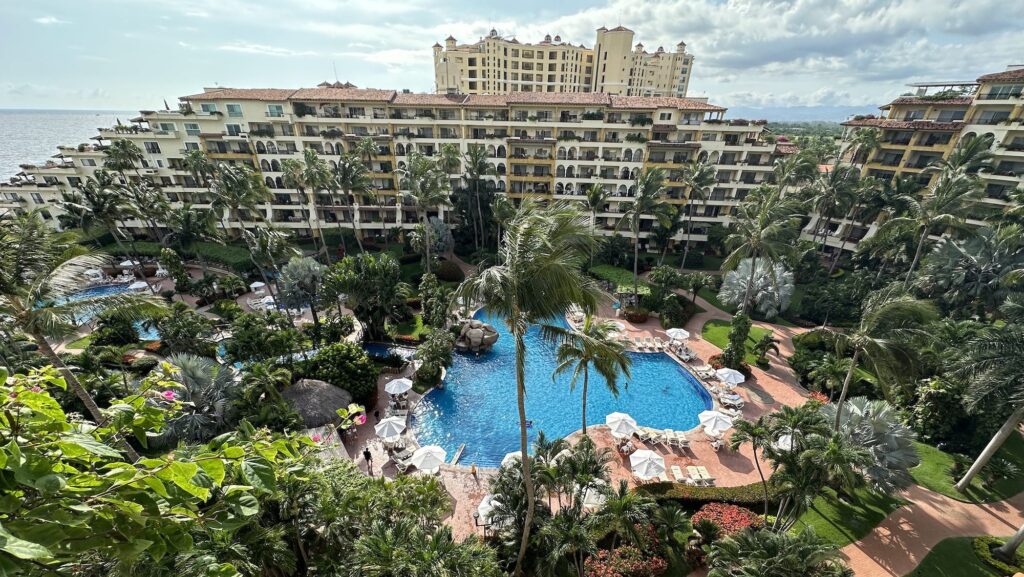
764	392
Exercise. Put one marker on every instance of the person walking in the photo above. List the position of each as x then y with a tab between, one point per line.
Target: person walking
369	460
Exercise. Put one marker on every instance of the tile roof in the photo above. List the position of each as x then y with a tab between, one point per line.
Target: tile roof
594	98
652	102
275	94
904	124
962	100
1015	74
786	148
429	99
351	94
487	100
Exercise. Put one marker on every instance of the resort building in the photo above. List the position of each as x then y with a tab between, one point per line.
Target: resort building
916	130
545	146
498	65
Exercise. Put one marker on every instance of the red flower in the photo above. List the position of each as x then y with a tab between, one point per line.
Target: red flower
729	518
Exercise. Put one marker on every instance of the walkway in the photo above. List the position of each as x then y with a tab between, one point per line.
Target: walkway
900	543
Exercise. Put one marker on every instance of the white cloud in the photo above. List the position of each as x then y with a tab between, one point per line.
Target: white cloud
49	20
263	49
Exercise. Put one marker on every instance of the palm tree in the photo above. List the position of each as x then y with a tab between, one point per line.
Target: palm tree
35	282
476	166
309	176
537	278
831	195
889	317
568	535
202	169
352	177
189	225
647	202
122	155
829	372
993	363
972	154
794	169
866	189
268	247
503	210
592	345
762	228
147	203
300	285
753	552
236	187
864	142
597	197
695	281
700	178
837	460
758	434
207	391
427	187
662	232
623	511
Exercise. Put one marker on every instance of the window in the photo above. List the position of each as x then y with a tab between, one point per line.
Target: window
168	126
74	181
88	162
665	116
37	198
235	110
1004	91
208	107
191	129
191	146
152	147
275	110
233	129
951	115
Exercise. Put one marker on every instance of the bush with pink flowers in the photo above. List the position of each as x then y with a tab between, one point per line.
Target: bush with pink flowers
624	561
730	519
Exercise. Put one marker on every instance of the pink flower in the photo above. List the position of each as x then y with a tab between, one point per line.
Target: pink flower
361	419
37	389
168	395
316	438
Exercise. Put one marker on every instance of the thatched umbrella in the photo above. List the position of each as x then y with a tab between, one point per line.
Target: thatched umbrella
316	401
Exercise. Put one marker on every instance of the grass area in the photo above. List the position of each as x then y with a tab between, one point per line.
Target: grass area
711	263
81	343
843	522
712	297
411	328
953	558
934	473
622	278
716	332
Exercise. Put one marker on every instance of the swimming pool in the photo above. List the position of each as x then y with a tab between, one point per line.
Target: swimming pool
478	403
146	333
385	349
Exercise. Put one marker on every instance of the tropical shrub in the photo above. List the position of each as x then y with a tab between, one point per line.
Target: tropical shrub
731	519
616	251
206	390
690	497
142	365
772	287
260	336
336	328
750	551
183	330
176	270
735	352
345	365
876	426
983	547
114	330
226	309
448	271
636	314
676	311
624	561
436	301
373	287
435	353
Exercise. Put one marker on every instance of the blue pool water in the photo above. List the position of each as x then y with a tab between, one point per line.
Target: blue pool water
478	403
385	349
146	333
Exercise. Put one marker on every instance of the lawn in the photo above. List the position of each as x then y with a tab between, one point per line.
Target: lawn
712	297
842	522
411	328
81	343
934	473
716	332
953	558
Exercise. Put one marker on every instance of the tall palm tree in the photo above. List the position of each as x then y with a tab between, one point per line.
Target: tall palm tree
624	511
592	345
309	176
865	189
662	232
189	225
699	178
301	285
366	149
889	317
829	372
863	144
794	170
993	363
123	155
476	166
831	195
568	535
236	187
537	278
427	186
764	227
147	204
596	198
35	282
352	177
202	169
758	434
503	210
972	154
267	248
647	202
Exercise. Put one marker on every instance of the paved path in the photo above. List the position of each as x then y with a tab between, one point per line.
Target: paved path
899	543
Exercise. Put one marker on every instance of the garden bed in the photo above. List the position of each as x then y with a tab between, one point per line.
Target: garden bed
716	332
934	473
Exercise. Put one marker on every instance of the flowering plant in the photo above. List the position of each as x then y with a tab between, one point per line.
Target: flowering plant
729	518
624	562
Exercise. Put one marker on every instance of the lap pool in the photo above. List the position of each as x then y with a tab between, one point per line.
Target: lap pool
477	406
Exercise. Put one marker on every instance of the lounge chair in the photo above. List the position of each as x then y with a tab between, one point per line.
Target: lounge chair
678	474
639	344
679	440
649	343
659	344
695	476
645	434
663	477
705	476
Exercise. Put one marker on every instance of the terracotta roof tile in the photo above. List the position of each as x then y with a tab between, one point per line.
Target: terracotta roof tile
429	99
653	102
1015	74
487	100
274	94
786	149
962	100
593	98
904	124
343	94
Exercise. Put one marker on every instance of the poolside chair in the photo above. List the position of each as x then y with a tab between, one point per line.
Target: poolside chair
645	434
663	477
680	440
659	344
705	476
678	474
649	343
639	344
695	476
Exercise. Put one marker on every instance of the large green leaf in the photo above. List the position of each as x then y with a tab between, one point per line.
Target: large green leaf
258	473
73	444
21	548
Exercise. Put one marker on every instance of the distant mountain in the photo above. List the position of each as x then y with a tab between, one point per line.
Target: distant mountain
799	113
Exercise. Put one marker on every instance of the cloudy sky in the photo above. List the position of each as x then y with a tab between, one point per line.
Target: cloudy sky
131	54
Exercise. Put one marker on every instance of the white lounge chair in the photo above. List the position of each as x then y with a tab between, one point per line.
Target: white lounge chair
705	476
695	477
663	477
659	344
649	343
639	344
678	474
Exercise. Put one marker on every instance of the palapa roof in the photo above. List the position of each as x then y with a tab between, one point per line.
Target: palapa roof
316	401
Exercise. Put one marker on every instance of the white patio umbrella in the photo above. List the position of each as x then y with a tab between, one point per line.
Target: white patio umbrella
390	427
138	286
678	334
257	285
715	423
428	458
486	507
398	386
618	326
510	457
730	376
128	263
784	443
621	424
646	464
593	497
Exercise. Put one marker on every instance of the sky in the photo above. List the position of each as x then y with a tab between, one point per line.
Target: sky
135	54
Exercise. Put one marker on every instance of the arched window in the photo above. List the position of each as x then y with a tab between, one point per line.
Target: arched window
634	174
638	156
329	148
569	188
632	190
570	172
627	156
400	149
560	171
561	153
501	151
270	182
501	186
501	168
279	182
625	174
271	148
260	148
334	164
490	151
572	153
264	165
622	190
275	166
559	188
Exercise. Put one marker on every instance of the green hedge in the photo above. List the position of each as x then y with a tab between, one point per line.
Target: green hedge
622	278
234	257
983	549
690	497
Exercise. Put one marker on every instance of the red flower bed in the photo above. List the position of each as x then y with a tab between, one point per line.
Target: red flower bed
624	562
819	396
729	518
153	346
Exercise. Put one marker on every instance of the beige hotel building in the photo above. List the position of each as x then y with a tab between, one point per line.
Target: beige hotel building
498	65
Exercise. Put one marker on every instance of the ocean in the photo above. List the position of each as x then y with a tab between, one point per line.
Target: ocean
32	136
